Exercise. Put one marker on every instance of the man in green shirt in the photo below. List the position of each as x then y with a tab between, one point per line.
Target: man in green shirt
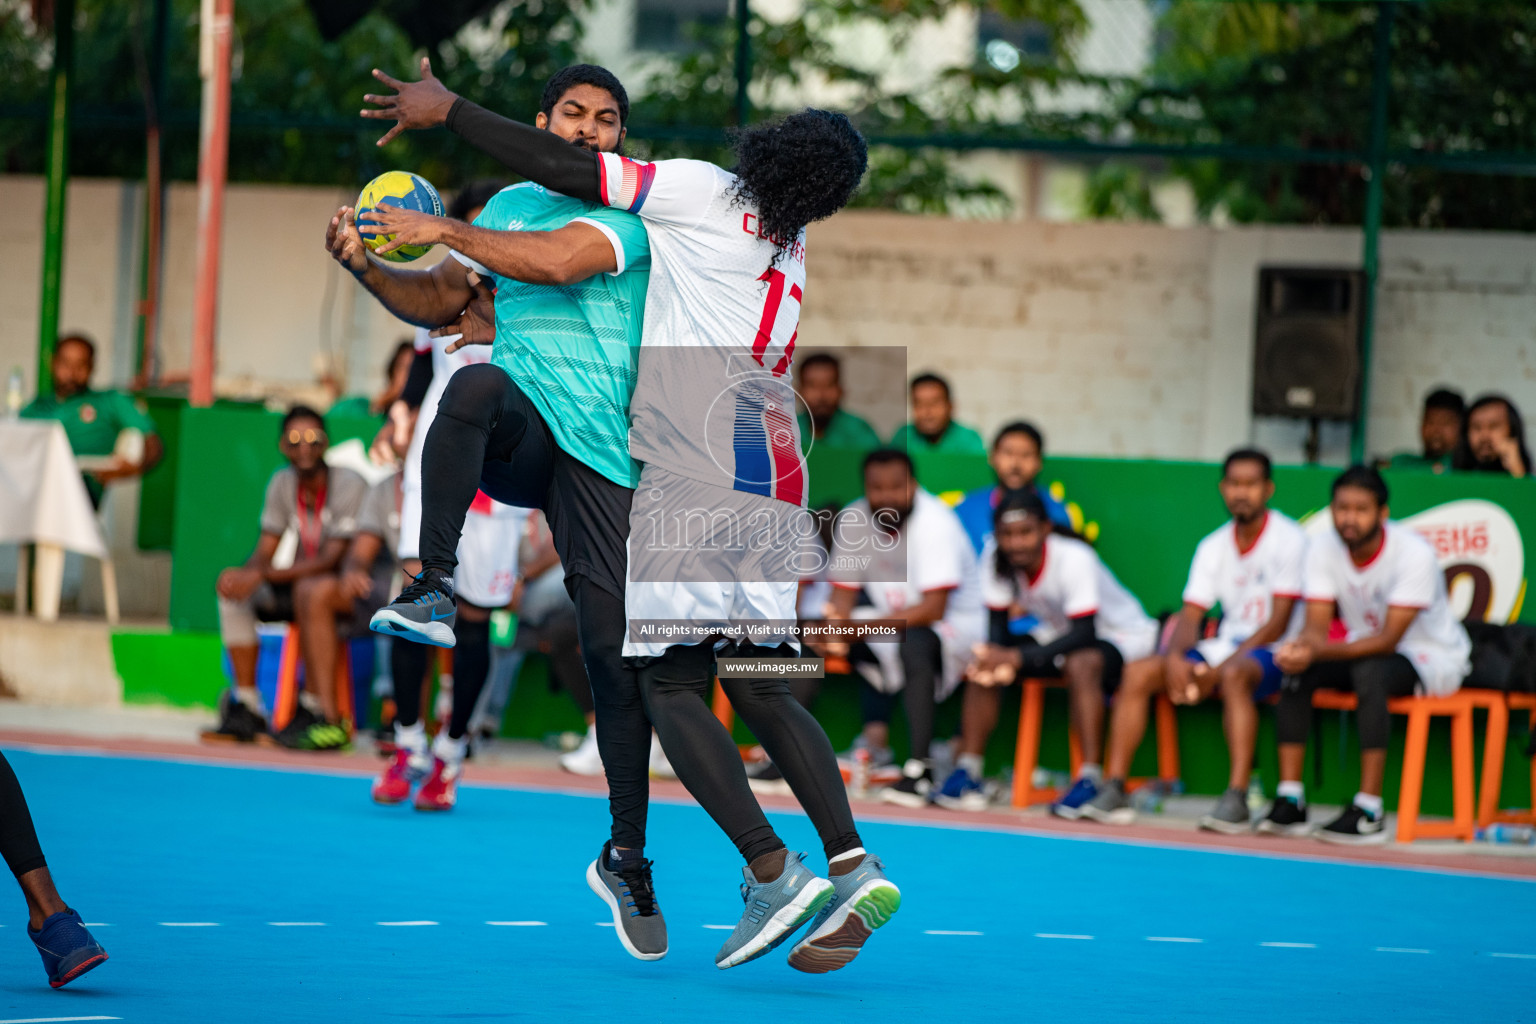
933	427
93	419
825	421
1439	430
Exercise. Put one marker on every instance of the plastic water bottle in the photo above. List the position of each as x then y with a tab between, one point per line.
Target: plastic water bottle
1256	800
861	772
1513	835
1148	798
14	396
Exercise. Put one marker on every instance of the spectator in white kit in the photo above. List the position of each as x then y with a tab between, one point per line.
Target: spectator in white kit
1385	584
906	551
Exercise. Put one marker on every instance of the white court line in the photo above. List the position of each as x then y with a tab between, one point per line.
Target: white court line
404	924
720	927
1506	956
189	924
1171	938
92	924
297	924
603	924
943	931
1400	949
1290	945
50	1020
518	924
1054	935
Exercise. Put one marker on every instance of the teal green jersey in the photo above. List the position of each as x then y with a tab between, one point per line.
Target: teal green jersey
572	348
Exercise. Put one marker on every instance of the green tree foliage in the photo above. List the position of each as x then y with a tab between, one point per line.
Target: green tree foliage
293	99
1300	75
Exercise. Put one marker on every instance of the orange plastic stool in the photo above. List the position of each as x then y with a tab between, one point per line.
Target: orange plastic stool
1495	736
1458	708
1488	805
288	681
1026	756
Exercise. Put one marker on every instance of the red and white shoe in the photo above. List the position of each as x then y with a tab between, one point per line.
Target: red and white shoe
394	783
440	792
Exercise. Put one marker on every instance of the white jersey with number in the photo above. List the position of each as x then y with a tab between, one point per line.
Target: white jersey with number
1245	583
1403	574
713	400
1073	582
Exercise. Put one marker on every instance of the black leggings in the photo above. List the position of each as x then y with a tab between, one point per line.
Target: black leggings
488	435
471	664
922	655
1373	680
676	686
18	839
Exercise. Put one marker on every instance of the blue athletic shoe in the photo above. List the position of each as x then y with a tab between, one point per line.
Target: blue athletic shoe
424	611
774	910
962	791
1071	805
68	950
862	900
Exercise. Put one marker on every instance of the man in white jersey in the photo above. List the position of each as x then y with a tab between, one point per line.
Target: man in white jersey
908	553
1090	628
1385	585
1251	567
718	517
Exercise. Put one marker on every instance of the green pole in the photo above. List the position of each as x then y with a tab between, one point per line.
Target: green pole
743	63
1380	90
58	175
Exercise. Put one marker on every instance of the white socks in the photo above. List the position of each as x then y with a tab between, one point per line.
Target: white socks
450	751
250	697
1091	771
972	763
1294	790
1369	804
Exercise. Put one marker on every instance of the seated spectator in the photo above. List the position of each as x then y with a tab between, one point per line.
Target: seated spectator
1016	458
824	420
908	553
1092	628
1494	439
1383	582
314	508
93	419
1251	566
396	369
933	428
1439	432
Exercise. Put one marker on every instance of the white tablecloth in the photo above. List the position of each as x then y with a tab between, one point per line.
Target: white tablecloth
42	498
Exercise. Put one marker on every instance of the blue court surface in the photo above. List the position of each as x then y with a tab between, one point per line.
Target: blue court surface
233	894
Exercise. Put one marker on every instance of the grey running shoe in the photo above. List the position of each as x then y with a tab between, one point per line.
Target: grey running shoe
1110	806
636	917
1230	815
863	900
774	910
424	611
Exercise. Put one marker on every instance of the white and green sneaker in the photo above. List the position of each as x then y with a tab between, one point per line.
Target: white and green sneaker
863	900
774	910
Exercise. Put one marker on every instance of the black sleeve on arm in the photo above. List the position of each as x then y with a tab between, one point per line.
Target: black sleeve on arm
997	628
416	382
1079	635
532	153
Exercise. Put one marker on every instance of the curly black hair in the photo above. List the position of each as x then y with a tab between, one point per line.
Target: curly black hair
797	170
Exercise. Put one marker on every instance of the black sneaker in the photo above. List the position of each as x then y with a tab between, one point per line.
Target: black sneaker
914	788
295	735
1285	818
424	611
237	723
765	777
324	735
1354	827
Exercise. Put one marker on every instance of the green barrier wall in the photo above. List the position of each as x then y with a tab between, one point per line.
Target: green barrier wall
227	454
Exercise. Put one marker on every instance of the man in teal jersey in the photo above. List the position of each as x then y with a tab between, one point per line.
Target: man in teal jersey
545	425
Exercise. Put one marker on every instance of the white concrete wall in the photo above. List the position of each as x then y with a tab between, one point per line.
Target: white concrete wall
1119	339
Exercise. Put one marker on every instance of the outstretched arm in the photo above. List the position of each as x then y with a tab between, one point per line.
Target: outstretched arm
529	152
563	256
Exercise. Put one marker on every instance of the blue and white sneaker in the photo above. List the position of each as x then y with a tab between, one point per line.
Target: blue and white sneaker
1071	805
863	900
774	910
67	948
962	791
424	612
